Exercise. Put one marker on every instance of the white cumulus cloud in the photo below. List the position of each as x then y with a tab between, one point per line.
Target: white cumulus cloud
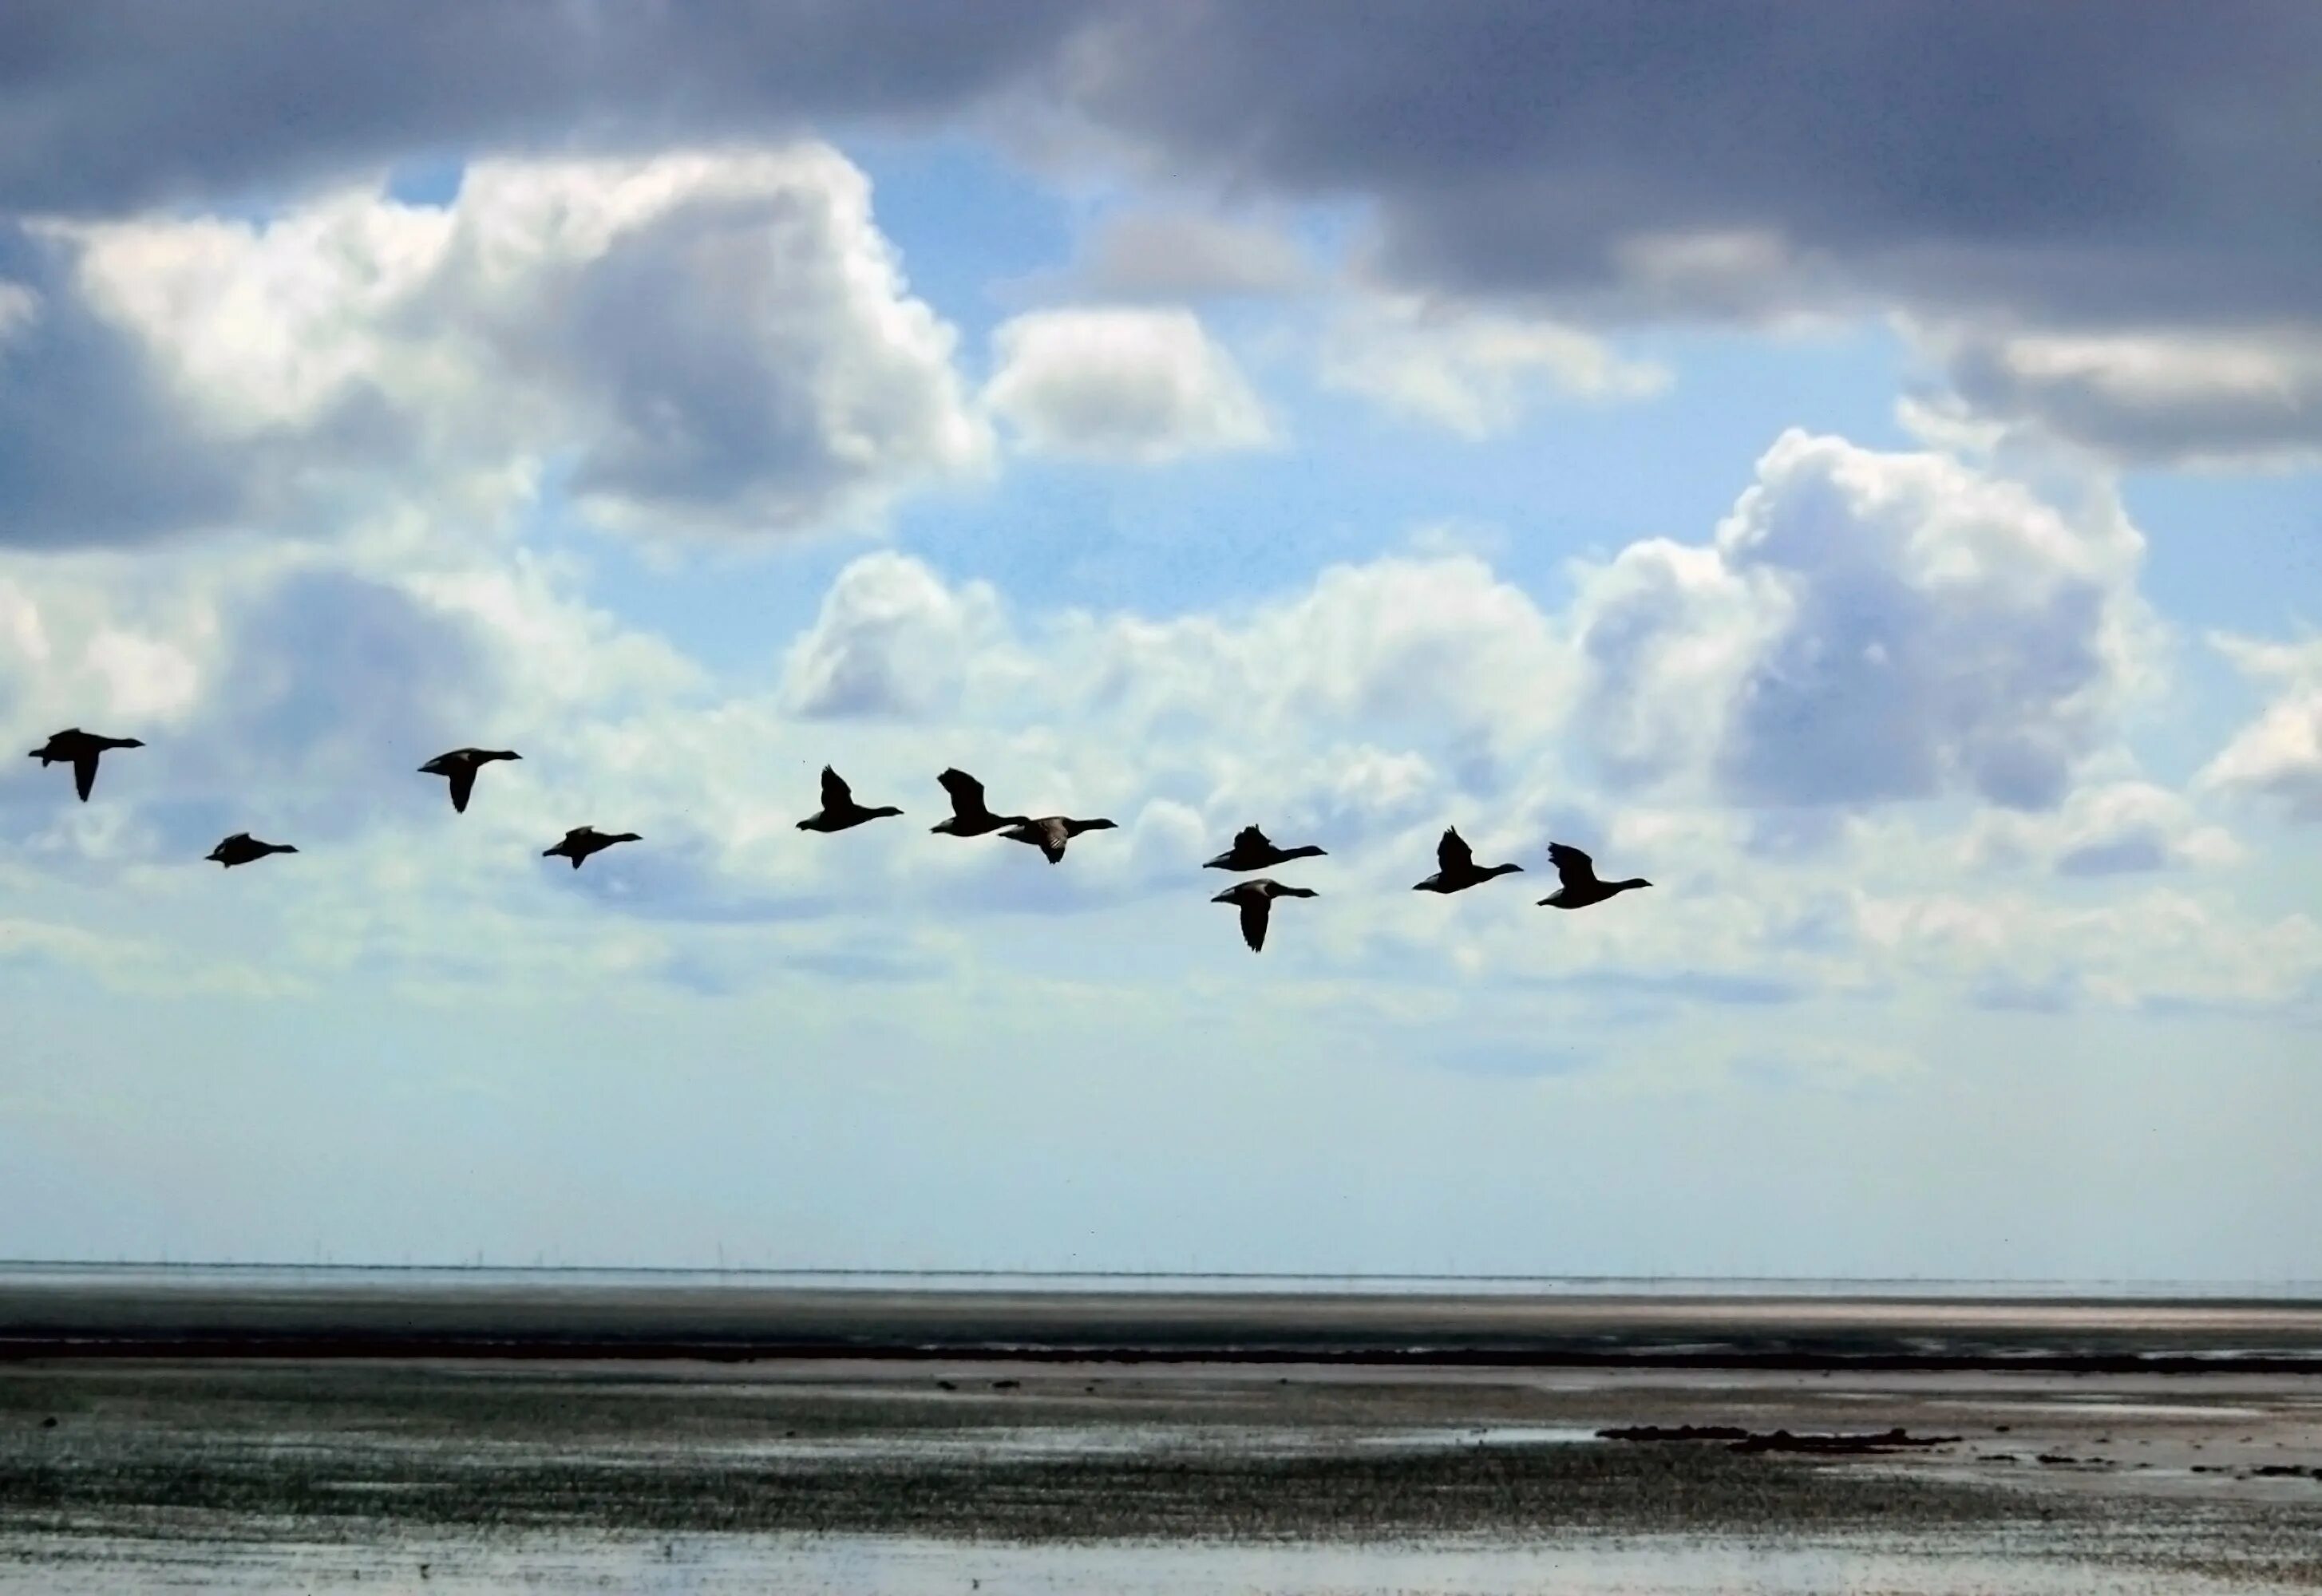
1119	383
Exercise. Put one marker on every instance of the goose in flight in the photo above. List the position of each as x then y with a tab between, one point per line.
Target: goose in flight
839	809
241	848
970	817
79	749
1252	850
1456	869
1256	902
1050	832
460	766
584	840
1580	887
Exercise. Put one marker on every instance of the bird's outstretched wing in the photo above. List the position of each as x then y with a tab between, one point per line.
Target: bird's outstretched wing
835	793
84	772
1250	839
1452	854
967	793
463	778
1573	868
1253	921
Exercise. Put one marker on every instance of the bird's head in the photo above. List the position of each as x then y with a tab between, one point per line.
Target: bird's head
132	743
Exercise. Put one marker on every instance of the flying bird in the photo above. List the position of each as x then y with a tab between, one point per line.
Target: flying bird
970	817
582	841
241	848
1456	869
839	809
1050	832
1252	850
1580	888
1256	901
460	766
79	749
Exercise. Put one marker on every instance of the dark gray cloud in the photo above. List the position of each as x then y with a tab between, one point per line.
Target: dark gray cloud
110	104
2104	166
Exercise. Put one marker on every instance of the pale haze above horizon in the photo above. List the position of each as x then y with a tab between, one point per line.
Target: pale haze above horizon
1858	469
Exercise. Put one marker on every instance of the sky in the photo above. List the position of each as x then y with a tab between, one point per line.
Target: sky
1858	469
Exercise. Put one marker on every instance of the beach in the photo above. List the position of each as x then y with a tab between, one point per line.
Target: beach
2017	1452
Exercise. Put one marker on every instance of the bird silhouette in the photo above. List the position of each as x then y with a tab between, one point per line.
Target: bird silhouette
1456	869
241	848
1252	850
1256	901
460	766
1050	832
969	818
839	809
1580	887
582	841
79	749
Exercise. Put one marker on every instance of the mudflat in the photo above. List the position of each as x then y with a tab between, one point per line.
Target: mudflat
836	1474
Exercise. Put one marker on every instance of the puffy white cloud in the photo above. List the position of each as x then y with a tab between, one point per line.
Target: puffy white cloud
717	341
1121	383
1470	370
2162	397
890	640
2279	755
1864	627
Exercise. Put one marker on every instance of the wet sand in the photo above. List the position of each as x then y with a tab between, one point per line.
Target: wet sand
882	1474
306	1430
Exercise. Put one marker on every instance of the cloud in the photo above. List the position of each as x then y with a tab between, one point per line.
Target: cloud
1470	371
713	343
1865	628
2118	828
2279	755
2153	398
1172	256
890	640
1143	385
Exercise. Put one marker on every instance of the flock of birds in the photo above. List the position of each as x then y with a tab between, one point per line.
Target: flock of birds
971	817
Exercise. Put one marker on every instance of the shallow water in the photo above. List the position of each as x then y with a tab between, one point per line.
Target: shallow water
834	1563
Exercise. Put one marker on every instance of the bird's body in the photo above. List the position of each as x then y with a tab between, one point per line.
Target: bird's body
1050	832
839	809
582	841
460	767
1253	850
1456	869
80	749
1256	900
970	815
1580	888
241	848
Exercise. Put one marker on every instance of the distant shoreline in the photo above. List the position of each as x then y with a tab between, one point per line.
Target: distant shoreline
223	1314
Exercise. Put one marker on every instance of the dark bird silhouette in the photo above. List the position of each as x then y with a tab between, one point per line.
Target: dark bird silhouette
241	848
1050	832
1580	887
460	766
839	809
1252	850
969	818
1256	901
79	749
584	840
1456	869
